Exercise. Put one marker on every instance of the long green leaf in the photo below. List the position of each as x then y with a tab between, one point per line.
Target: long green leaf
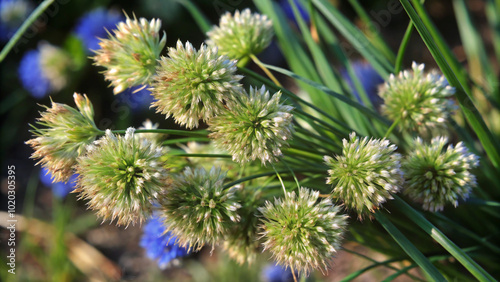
446	243
471	113
409	248
202	21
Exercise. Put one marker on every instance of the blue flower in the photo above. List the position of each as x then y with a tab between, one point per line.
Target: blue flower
59	189
12	15
93	25
45	70
369	79
32	76
159	245
141	99
277	273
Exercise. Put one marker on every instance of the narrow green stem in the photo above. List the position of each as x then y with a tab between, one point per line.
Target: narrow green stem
265	69
393	125
281	180
293	173
402	48
164	131
203	155
27	23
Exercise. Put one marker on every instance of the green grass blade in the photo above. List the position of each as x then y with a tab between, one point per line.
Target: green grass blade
410	249
402	48
26	24
471	113
446	243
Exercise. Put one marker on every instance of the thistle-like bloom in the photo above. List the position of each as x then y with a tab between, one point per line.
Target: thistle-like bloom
417	100
130	55
197	209
59	189
255	126
121	177
94	25
44	70
241	35
300	232
66	134
194	84
436	176
160	244
366	173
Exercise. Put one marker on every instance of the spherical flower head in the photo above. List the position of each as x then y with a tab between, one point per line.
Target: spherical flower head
436	176
366	173
94	25
66	133
121	177
276	273
241	35
418	101
300	232
197	209
160	244
59	189
194	84
12	15
130	55
44	70
255	126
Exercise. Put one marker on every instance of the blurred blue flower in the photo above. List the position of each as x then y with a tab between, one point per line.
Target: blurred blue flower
277	273
159	245
12	15
93	25
288	9
32	76
59	189
369	79
139	100
45	70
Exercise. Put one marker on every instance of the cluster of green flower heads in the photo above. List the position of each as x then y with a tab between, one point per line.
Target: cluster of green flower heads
197	208
194	84
300	232
242	34
121	177
436	176
64	136
418	101
366	173
130	55
255	126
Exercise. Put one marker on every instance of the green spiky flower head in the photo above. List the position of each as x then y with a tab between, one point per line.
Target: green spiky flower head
417	100
436	176
121	177
301	232
366	173
241	35
130	55
255	126
197	208
194	84
63	136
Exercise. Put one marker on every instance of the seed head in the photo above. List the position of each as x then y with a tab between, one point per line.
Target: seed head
301	232
64	137
194	84
121	177
436	176
130	55
418	100
241	35
366	173
197	209
255	126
